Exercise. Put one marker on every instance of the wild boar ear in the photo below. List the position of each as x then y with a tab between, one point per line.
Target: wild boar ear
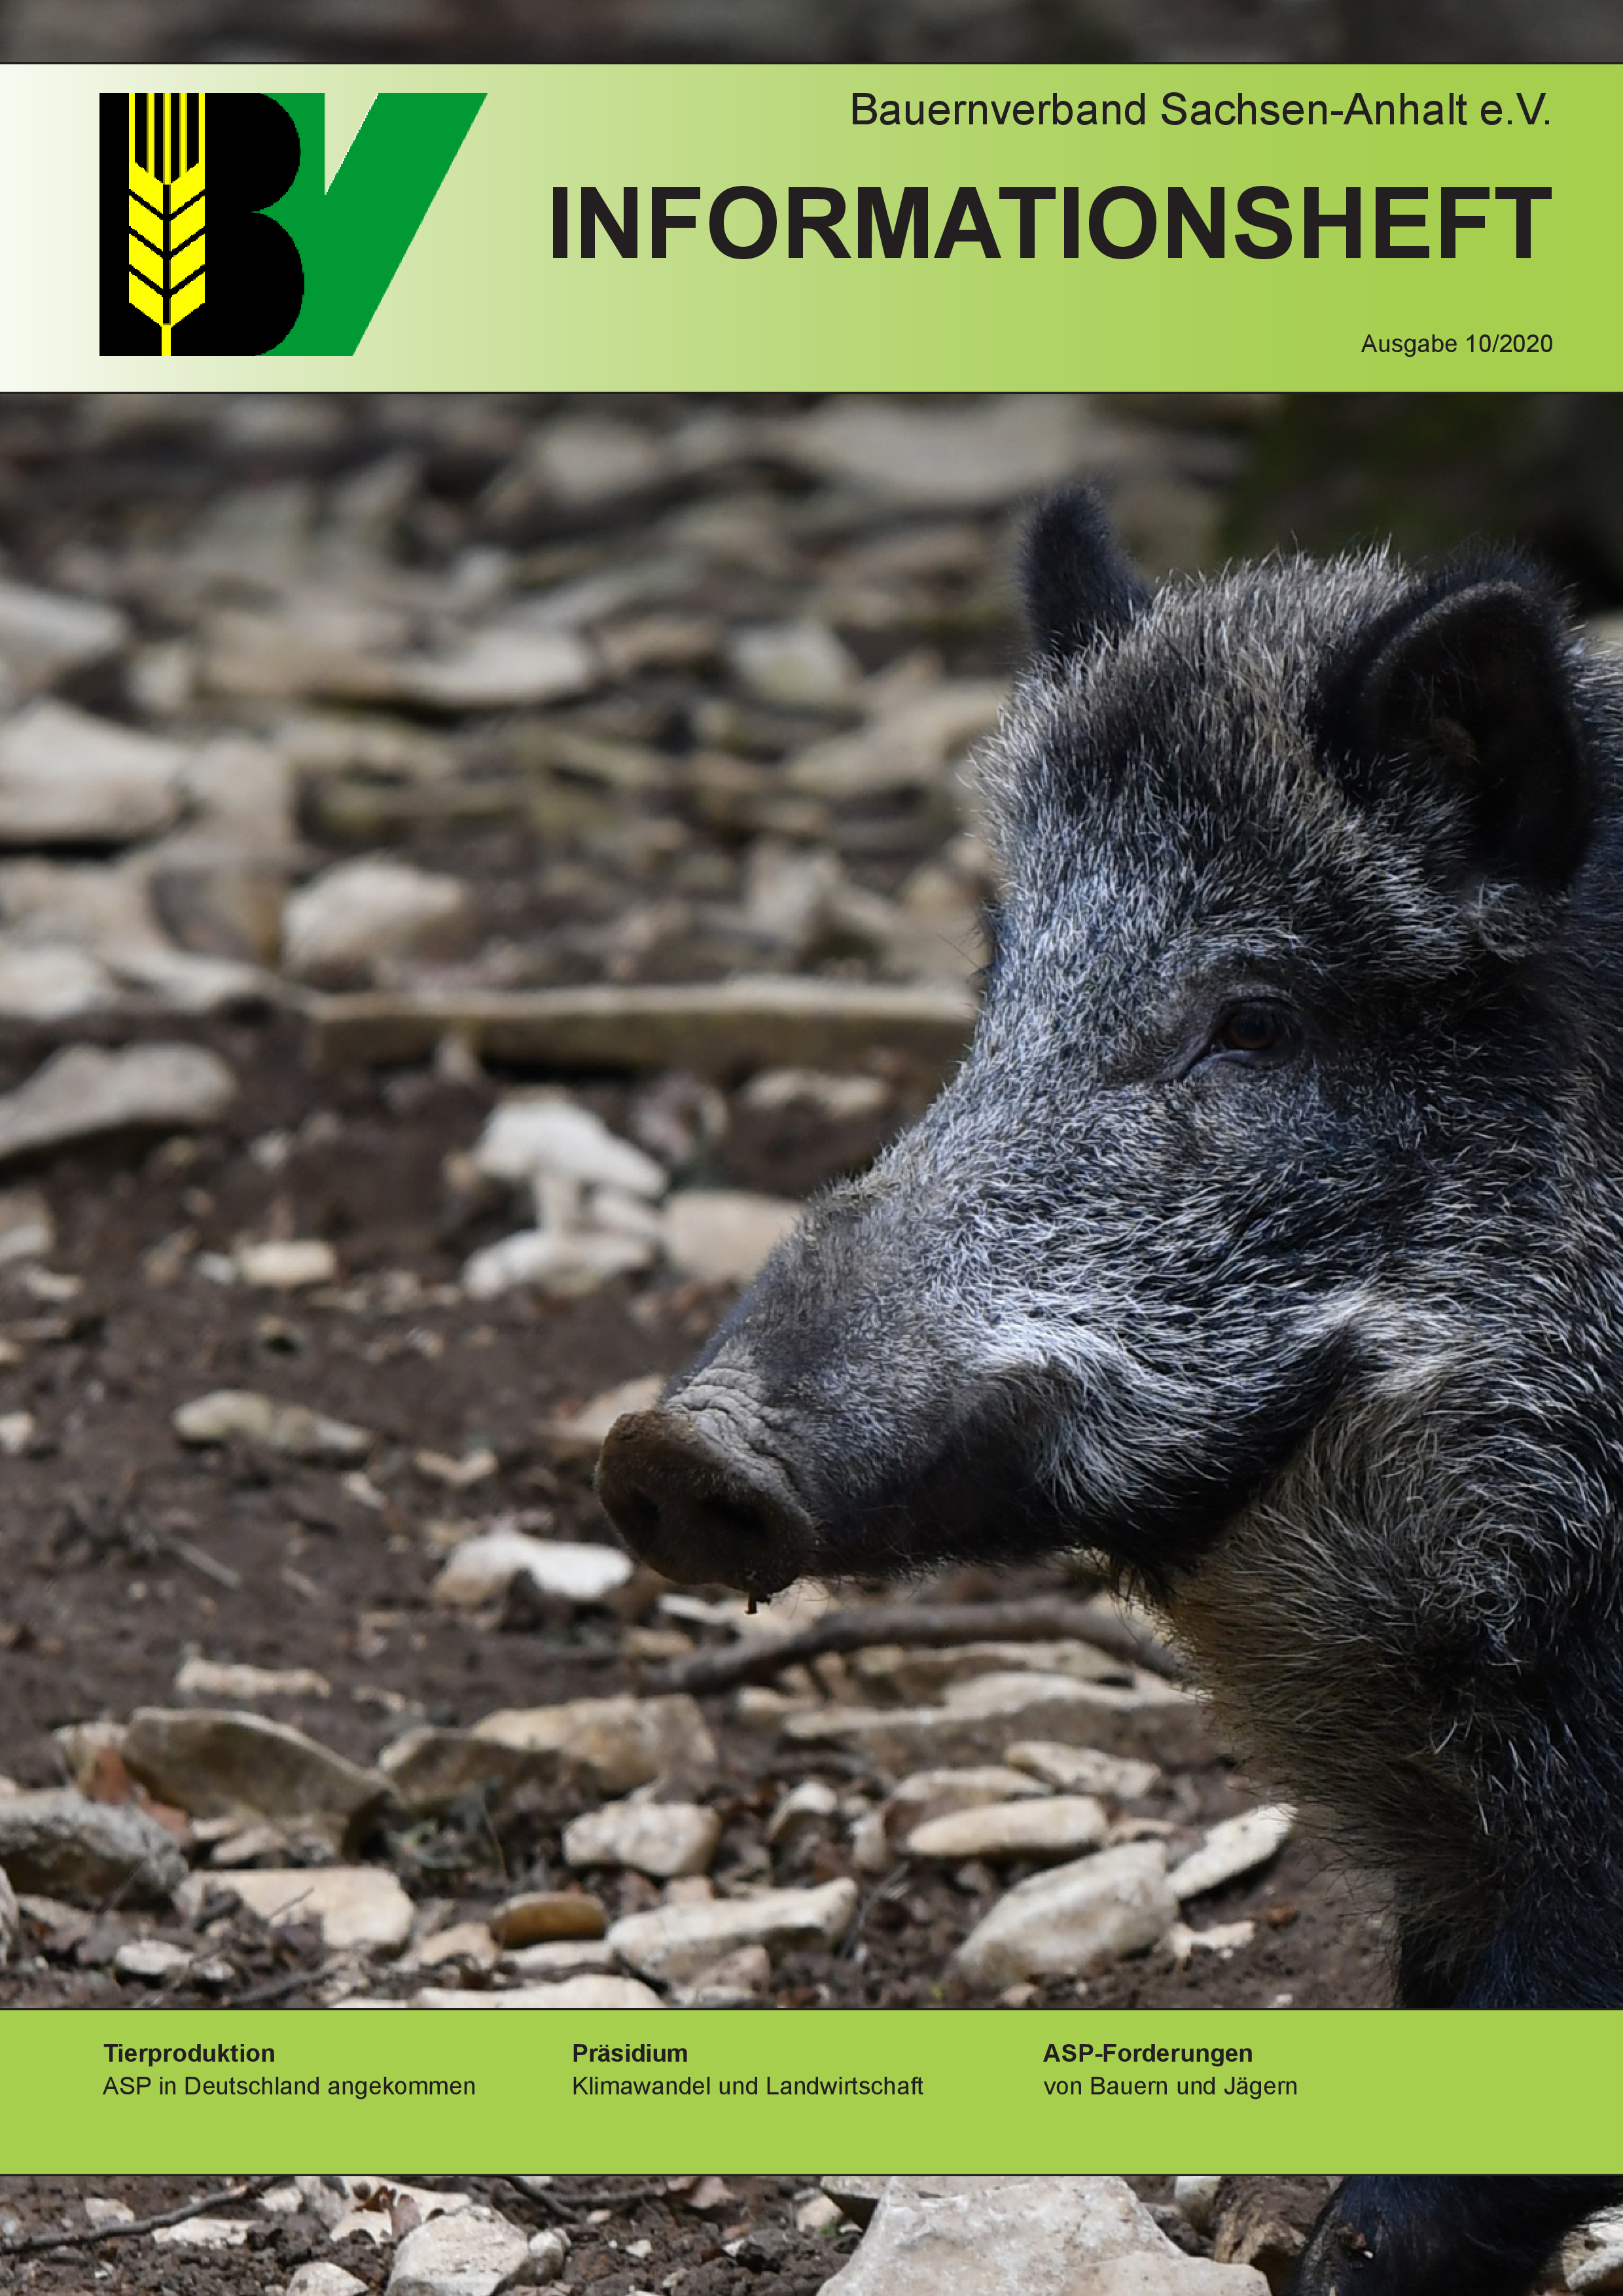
1078	585
1473	689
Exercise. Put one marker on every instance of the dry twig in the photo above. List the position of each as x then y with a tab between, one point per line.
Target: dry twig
921	1626
40	2242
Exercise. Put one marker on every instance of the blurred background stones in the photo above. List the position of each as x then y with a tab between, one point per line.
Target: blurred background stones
810	31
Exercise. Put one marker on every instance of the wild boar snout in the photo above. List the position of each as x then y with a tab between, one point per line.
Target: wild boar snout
697	1504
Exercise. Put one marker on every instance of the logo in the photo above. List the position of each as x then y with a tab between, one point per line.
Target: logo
221	234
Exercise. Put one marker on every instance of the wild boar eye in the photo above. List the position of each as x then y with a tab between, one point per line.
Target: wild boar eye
1257	1033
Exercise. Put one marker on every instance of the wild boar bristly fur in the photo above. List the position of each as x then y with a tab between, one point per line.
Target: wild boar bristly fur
1269	1239
1409	1265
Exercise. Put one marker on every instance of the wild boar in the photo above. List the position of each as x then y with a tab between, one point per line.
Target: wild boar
1269	1239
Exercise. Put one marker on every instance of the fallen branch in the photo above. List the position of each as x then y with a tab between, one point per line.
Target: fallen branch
719	1027
920	1626
534	2191
277	1988
627	2196
41	2242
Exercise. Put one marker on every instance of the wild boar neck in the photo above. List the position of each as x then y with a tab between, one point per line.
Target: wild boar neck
1411	1639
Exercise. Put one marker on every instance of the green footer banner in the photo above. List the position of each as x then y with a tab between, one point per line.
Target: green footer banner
793	2092
812	228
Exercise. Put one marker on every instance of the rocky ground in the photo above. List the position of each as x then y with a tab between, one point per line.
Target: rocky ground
621	2236
470	867
699	2235
1042	32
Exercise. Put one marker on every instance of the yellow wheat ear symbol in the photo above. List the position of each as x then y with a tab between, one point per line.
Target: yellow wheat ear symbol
166	208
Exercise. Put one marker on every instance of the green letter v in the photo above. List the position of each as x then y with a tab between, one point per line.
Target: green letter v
351	237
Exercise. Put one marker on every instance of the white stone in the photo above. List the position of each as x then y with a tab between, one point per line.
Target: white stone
548	2254
457	1474
205	2232
563	1264
536	1132
26	1230
736	1982
1231	1848
62	914
873	1851
877	1839
321	2278
151	1959
725	1235
510	664
281	2200
556	1957
83	1091
674	1942
908	746
481	1569
585	460
1224	1939
468	1942
82	1745
320	644
100	2213
67	778
1026	2236
614	1744
43	634
1591	2257
912	1677
51	982
51	1284
291	1265
17	1429
513	664
789	891
758	1707
1053	1827
185	981
651	1837
580	1434
289	1427
1082	1769
469	2254
359	1908
589	1990
980	1719
946	456
805	1804
11	1918
243	795
357	913
1060	1923
793	665
838	1098
207	1677
1196	2199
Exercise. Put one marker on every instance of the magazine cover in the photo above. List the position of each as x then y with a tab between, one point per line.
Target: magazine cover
810	1103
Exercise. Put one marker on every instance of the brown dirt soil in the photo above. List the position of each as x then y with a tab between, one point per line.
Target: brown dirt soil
122	1552
626	2233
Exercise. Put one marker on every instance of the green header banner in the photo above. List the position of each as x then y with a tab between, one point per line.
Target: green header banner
801	2092
813	227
